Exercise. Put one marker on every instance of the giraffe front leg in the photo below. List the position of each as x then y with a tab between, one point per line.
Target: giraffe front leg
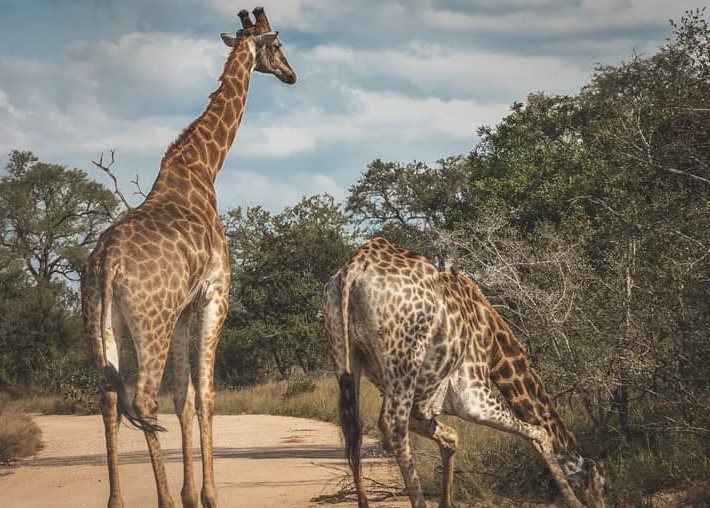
212	317
447	439
184	398
109	411
481	406
395	420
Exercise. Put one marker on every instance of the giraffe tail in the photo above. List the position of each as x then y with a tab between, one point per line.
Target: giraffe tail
348	405
350	422
110	359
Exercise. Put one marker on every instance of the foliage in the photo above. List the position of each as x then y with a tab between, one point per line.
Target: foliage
49	218
296	385
279	264
51	215
79	391
408	203
621	173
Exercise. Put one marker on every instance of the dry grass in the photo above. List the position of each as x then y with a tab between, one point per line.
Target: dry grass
476	443
19	436
277	398
38	404
493	468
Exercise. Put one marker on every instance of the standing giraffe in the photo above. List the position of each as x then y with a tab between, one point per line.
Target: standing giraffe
165	261
432	344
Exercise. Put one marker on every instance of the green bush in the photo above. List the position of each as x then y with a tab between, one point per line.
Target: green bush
79	392
297	385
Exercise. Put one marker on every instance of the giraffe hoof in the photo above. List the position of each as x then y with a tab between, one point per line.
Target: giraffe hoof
208	500
189	500
115	502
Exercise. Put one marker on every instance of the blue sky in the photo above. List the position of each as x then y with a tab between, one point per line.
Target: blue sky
396	80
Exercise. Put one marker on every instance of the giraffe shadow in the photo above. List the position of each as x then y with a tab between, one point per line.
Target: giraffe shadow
171	455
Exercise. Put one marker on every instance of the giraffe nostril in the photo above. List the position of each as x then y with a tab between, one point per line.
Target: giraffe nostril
288	77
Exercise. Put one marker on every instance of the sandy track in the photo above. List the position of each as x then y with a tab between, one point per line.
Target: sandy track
260	461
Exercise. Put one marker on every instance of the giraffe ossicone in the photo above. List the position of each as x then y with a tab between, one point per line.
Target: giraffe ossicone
166	261
432	344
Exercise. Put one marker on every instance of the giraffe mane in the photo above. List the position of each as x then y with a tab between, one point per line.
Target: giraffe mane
188	131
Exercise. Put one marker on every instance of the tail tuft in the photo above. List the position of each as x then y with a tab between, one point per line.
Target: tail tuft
125	408
350	419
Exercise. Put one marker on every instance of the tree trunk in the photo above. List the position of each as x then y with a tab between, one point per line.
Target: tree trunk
621	394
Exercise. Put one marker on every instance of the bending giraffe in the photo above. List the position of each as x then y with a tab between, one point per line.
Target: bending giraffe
164	262
432	344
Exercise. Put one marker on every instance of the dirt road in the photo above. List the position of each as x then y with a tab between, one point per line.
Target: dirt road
260	462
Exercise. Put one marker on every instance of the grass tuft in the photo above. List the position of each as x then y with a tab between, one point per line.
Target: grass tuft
19	436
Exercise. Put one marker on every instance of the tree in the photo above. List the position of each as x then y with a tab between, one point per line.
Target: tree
623	172
280	263
50	216
407	203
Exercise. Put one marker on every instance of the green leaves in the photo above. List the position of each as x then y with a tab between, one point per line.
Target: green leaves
280	263
50	216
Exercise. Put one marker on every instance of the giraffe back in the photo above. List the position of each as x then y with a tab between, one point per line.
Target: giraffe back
396	322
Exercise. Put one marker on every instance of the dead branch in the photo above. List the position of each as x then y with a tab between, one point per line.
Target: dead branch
376	490
138	190
106	168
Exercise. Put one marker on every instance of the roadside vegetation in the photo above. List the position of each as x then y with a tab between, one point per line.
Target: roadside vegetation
19	436
585	219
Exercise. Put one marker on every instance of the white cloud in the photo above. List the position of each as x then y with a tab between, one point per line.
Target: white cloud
400	80
313	15
370	116
152	71
157	57
237	187
432	67
577	19
11	110
283	141
120	94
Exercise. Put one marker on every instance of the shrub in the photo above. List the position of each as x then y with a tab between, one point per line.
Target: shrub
80	392
297	385
19	435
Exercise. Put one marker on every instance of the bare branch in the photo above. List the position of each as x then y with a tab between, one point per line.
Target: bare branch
138	191
681	172
106	168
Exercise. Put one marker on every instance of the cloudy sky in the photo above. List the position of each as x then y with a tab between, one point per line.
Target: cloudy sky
396	80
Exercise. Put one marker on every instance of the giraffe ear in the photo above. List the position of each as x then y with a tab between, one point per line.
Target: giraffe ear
228	38
266	39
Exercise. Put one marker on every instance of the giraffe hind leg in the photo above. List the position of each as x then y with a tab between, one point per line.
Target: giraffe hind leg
211	319
184	399
394	422
109	411
447	439
145	403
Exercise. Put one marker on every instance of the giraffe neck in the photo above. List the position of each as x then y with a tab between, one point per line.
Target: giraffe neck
522	388
197	155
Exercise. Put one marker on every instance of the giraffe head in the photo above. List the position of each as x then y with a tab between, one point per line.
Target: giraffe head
587	479
269	58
